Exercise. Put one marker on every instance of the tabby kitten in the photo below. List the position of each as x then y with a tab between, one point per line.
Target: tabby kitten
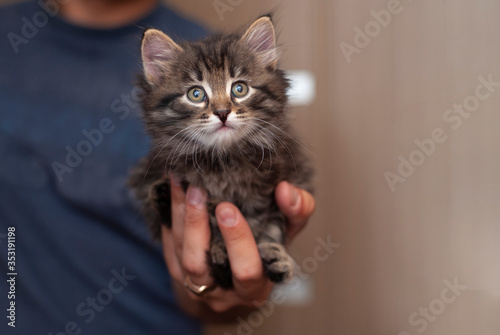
216	112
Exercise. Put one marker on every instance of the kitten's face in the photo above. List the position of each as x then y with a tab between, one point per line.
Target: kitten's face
213	95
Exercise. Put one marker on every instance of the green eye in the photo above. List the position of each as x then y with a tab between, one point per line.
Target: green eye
239	90
196	94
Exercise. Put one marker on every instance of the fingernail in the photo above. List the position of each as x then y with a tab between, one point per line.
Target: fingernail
294	196
174	180
195	196
227	216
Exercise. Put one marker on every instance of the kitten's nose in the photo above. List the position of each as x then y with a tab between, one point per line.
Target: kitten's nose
222	114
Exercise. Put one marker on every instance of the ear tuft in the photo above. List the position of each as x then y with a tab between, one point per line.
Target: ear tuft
157	51
260	37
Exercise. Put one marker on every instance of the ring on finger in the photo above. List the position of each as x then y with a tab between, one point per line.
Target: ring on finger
199	290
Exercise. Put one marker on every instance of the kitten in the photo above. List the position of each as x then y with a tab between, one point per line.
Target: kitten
216	112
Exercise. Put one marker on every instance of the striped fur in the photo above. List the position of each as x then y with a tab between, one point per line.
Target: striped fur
241	164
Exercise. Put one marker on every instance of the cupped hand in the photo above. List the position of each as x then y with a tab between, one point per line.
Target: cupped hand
186	243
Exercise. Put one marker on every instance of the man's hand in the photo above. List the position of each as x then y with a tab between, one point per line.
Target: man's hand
186	243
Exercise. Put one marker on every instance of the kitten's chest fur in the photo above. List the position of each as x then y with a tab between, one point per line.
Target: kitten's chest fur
246	180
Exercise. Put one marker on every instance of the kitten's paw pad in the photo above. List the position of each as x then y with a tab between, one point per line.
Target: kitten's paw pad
278	265
220	268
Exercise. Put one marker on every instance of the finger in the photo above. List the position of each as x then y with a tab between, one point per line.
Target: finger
170	256
297	205
246	265
178	200
228	300
196	237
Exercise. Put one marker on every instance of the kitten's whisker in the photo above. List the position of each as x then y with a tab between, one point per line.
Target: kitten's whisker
287	134
252	134
190	149
263	155
271	147
195	153
177	153
163	147
189	141
186	143
265	133
265	130
250	131
171	155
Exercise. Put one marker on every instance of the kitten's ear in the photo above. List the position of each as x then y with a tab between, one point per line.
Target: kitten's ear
157	51
262	39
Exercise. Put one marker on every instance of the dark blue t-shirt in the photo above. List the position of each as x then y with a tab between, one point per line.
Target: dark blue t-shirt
70	131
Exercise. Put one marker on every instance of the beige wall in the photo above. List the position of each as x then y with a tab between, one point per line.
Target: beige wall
396	248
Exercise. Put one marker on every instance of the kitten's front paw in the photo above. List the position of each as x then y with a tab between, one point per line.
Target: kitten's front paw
278	265
219	265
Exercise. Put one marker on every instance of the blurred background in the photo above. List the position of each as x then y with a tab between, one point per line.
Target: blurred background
403	125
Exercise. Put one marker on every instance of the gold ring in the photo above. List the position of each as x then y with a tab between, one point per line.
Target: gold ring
197	289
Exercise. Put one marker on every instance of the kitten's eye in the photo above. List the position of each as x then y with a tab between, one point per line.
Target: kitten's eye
196	94
239	90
